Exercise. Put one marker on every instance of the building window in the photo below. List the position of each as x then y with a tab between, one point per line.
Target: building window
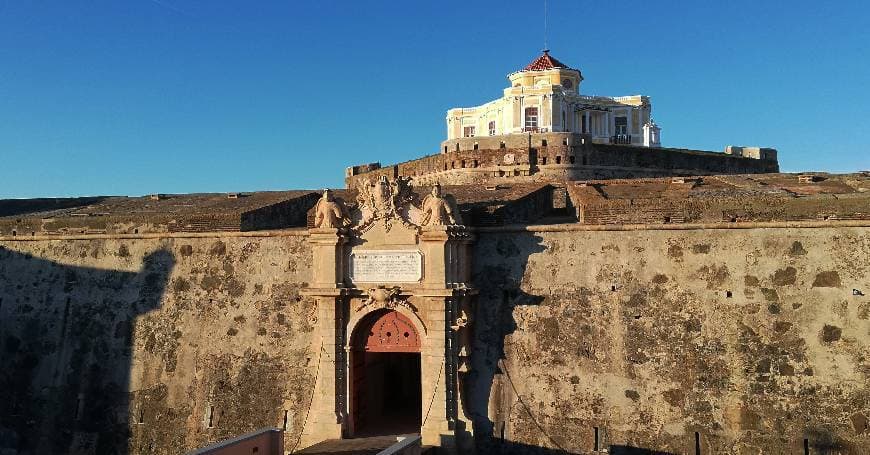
492	128
583	127
564	121
468	131
531	118
621	125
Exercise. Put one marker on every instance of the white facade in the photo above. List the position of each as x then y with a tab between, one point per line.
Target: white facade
545	97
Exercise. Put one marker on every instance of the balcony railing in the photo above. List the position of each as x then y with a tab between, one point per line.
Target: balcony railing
534	129
621	139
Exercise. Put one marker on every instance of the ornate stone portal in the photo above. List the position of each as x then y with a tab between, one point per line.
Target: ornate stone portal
396	264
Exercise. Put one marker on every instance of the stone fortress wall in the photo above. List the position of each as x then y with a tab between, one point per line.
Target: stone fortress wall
173	342
544	157
751	338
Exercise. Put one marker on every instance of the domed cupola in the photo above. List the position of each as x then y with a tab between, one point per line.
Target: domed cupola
547	70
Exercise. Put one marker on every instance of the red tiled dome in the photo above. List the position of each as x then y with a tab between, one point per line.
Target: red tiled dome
545	62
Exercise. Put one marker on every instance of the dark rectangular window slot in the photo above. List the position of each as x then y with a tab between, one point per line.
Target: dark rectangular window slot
476	146
571	159
597	442
543	143
255	450
613	288
558	160
728	294
80	401
211	416
285	420
502	145
697	443
544	161
141	418
806	447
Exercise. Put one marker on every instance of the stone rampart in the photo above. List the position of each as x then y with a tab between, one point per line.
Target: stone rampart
153	345
737	341
560	161
162	343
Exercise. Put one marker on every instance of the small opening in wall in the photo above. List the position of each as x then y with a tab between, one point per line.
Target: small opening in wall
558	160
502	145
14	233
544	161
806	447
463	164
476	146
596	443
445	149
141	419
667	219
583	140
565	141
80	404
457	146
728	294
474	163
697	443
210	417
543	142
445	166
284	425
613	288
733	219
571	159
255	450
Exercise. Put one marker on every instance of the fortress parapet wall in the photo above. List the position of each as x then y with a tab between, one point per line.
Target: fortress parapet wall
551	157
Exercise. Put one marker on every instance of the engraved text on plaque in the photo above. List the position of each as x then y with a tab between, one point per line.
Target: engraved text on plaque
386	266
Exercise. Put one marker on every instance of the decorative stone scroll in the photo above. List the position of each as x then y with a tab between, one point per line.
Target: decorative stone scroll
386	266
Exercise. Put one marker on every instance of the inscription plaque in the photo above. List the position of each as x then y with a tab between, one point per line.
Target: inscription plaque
386	266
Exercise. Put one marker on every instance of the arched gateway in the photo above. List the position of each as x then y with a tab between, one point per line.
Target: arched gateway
391	283
385	389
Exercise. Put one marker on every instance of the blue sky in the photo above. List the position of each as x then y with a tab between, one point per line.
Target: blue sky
142	96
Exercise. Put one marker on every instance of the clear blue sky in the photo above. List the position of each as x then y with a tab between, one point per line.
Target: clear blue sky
142	96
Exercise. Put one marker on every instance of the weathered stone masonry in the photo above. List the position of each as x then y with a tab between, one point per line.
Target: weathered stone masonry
751	338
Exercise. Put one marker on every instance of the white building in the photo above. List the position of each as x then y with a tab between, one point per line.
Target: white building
544	97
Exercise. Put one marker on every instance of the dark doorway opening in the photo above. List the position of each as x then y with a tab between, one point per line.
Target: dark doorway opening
386	392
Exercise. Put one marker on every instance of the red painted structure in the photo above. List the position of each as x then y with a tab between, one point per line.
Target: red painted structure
386	331
383	365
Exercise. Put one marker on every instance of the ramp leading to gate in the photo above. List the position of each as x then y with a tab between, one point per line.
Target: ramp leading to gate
409	444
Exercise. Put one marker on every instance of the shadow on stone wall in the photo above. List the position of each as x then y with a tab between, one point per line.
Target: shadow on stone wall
499	284
66	334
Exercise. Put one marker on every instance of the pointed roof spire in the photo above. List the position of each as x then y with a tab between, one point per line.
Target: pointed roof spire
545	62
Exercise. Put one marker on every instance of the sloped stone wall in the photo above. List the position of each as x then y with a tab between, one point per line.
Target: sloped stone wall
751	338
152	345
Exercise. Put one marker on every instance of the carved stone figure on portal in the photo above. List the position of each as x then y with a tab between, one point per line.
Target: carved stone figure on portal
438	210
329	213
